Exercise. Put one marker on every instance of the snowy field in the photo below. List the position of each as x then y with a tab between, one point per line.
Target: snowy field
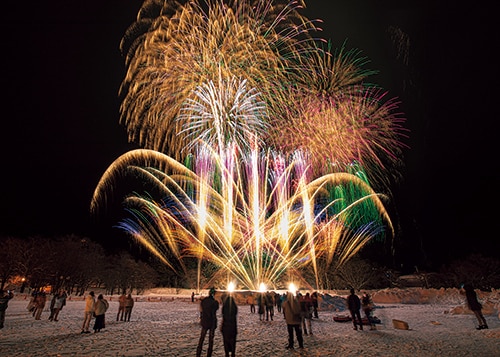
170	328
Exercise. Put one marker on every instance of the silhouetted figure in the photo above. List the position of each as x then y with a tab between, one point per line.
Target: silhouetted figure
291	310
51	308
229	326
306	313
475	306
354	305
208	321
129	305
261	306
278	302
269	303
251	302
4	303
314	297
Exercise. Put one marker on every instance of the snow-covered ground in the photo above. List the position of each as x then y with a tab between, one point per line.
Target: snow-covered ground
169	327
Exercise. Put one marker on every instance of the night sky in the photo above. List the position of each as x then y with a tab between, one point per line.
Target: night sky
62	69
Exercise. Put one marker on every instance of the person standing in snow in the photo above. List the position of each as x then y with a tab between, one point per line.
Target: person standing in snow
475	306
354	305
209	307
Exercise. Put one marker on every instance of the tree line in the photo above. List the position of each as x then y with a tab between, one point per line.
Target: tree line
72	263
77	263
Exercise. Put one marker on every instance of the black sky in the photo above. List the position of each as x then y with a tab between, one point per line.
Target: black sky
62	70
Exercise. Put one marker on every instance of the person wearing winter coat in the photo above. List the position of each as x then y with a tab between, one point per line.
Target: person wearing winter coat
88	312
101	306
314	297
291	311
4	303
354	305
40	300
129	304
261	305
269	305
306	313
229	325
121	307
475	306
208	322
56	305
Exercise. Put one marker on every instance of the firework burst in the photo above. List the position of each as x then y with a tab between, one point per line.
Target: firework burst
183	49
223	113
261	221
280	139
340	130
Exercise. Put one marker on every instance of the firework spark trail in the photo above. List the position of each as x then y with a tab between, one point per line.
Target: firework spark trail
337	131
190	47
255	249
269	46
219	113
328	71
280	138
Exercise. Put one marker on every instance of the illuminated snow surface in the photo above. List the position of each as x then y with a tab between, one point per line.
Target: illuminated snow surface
170	328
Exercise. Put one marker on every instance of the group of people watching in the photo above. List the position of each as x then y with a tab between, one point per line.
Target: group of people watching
208	321
268	301
126	303
97	309
355	305
297	309
94	308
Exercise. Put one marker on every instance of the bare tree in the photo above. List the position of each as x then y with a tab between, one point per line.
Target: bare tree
9	257
356	273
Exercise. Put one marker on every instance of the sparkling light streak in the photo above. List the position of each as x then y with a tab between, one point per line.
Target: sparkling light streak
260	146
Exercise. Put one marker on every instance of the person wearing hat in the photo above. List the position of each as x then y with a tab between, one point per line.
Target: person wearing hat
208	322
